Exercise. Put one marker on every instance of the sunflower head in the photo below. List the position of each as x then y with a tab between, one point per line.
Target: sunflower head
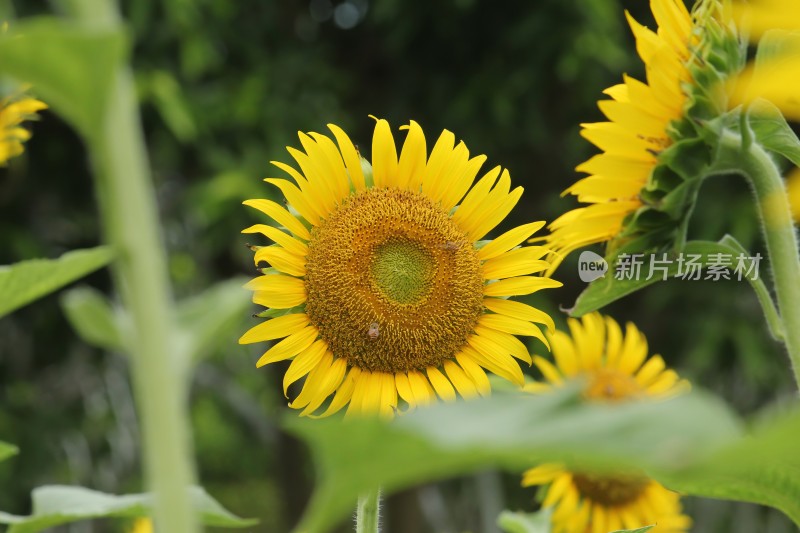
382	285
641	188
615	367
13	112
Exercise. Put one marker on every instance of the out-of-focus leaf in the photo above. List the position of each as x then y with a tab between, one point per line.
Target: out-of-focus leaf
212	316
518	522
608	289
772	131
56	504
167	96
764	468
70	66
513	431
26	281
639	530
92	317
7	450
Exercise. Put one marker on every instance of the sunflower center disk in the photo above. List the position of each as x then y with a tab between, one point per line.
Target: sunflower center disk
612	386
610	491
393	284
403	270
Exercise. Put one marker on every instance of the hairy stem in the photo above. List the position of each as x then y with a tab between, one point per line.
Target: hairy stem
131	225
367	519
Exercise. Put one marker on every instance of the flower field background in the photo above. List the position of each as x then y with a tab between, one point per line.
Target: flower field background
223	87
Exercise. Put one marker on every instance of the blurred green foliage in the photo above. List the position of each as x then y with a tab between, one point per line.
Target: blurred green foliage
224	86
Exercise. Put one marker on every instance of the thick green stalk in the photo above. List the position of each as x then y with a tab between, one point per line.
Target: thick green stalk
750	159
130	220
367	513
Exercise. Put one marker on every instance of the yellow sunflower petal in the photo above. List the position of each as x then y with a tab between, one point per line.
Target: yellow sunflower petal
290	346
281	216
384	156
508	240
284	239
275	328
519	286
441	384
351	158
303	363
411	166
460	380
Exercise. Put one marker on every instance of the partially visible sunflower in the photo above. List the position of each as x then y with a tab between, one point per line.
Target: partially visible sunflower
384	286
616	368
13	111
641	188
639	116
142	525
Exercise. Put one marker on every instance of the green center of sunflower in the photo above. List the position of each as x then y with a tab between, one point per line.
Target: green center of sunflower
610	491
388	288
403	270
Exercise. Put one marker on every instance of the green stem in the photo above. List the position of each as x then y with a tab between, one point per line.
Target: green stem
130	220
776	219
367	513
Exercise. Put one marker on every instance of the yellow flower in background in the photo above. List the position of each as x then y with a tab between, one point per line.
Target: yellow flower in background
639	115
389	288
777	76
759	16
142	525
793	187
616	368
14	111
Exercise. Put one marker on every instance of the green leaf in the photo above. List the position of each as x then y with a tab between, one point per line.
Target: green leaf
518	522
54	505
640	530
772	131
608	289
26	281
213	316
512	431
7	450
774	44
70	66
764	469
92	317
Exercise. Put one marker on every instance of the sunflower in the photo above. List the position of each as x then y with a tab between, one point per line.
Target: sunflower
13	111
616	368
383	286
142	525
639	118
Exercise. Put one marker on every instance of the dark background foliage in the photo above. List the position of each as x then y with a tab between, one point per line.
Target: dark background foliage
224	86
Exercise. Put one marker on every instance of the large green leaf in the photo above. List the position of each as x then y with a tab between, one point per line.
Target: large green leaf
55	505
70	66
518	522
7	450
764	468
608	289
26	281
513	431
92	317
772	131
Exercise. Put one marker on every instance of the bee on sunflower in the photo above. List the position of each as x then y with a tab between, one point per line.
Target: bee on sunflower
383	290
616	368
